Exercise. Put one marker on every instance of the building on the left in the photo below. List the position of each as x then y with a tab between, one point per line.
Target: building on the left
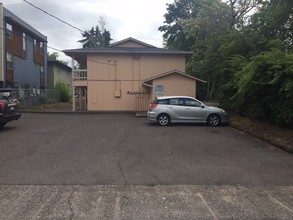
23	53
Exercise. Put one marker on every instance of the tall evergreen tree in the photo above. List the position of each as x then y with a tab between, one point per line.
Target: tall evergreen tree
97	36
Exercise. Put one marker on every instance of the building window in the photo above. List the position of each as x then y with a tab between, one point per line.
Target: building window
9	32
42	73
9	61
42	47
24	44
23	41
35	45
159	90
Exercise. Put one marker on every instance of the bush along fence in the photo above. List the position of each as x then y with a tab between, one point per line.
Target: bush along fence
35	97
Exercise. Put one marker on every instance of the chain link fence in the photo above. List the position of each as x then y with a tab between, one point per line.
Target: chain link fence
34	97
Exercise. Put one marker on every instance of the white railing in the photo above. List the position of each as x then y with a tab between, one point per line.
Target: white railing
79	74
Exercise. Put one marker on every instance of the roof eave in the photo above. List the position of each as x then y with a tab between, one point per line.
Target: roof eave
172	72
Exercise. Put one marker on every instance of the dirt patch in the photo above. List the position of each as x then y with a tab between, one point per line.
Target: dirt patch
55	107
58	106
273	134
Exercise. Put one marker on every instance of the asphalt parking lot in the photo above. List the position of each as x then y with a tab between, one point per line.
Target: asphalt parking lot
71	152
122	150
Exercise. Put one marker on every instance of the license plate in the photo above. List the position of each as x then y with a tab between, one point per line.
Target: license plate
12	108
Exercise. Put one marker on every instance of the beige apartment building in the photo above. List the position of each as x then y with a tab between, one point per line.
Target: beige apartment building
127	75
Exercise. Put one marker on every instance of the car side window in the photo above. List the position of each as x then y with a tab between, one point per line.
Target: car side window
177	101
192	103
163	102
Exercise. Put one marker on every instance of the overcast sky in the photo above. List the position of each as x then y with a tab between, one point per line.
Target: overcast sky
139	19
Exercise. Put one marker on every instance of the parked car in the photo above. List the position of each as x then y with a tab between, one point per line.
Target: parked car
9	107
184	109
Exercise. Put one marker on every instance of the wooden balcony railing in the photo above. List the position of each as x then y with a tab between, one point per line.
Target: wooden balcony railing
79	74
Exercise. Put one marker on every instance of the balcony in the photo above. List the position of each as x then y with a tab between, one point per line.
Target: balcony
79	75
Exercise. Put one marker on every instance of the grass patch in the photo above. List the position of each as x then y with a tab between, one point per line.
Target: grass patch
35	108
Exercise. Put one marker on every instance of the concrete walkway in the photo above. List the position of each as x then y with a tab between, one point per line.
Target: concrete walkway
145	202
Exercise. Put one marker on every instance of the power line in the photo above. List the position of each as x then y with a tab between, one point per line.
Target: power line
53	16
95	61
53	48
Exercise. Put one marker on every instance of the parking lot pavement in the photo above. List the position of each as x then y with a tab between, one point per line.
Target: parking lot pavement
143	202
79	166
123	150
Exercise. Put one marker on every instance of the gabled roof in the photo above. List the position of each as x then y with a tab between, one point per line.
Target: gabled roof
170	73
126	50
130	39
115	49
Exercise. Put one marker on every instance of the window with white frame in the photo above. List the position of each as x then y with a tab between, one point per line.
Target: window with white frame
42	47
159	89
24	41
42	73
35	44
9	61
9	31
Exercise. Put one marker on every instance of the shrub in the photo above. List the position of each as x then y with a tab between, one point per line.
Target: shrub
64	92
264	88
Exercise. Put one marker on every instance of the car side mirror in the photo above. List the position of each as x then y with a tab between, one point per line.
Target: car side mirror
202	106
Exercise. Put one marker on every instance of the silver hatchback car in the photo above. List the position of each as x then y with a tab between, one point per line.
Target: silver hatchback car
184	109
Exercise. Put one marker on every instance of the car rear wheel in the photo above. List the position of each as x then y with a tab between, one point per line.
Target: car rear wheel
214	120
163	119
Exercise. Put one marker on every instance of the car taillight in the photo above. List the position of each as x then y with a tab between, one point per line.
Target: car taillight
153	106
2	104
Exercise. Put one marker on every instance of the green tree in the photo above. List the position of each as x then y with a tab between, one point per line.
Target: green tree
203	16
174	35
54	57
273	21
243	48
97	36
264	88
207	27
240	9
213	60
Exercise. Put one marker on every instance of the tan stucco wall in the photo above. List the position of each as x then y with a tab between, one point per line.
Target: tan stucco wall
177	85
102	96
132	67
113	80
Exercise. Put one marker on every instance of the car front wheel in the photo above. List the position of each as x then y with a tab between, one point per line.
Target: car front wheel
163	119
214	120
